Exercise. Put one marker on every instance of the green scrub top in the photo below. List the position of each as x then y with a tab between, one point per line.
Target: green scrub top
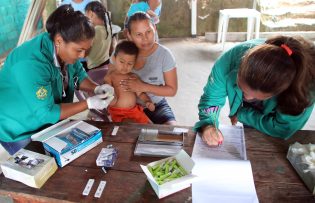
222	83
31	89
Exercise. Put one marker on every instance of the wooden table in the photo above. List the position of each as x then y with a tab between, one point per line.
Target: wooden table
275	179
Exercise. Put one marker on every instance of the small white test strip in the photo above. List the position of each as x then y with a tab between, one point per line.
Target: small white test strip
115	130
180	130
100	189
88	187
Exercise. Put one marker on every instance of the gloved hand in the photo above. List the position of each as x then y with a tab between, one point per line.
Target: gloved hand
100	101
105	88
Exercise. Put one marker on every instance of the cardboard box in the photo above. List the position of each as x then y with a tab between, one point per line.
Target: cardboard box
175	185
31	168
67	140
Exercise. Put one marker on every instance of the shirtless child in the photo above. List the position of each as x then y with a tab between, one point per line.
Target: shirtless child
124	106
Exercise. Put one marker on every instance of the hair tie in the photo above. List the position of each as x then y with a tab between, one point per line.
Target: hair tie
287	49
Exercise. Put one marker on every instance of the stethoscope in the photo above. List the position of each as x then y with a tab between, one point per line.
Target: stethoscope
63	77
62	80
59	69
75	81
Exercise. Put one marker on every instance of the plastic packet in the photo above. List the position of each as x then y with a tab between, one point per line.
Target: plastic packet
107	157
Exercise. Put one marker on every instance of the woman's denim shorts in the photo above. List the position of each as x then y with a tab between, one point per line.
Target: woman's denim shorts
162	114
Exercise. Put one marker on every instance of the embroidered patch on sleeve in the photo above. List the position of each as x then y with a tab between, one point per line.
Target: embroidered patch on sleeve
41	93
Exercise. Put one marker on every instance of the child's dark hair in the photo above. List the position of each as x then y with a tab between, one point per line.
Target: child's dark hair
99	9
126	47
139	16
283	66
72	25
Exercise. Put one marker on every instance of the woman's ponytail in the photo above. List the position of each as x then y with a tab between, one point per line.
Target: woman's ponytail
283	66
99	9
109	24
298	95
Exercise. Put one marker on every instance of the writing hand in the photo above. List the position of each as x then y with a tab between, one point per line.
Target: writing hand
211	136
233	120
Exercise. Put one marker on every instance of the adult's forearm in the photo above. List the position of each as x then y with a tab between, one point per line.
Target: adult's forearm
70	109
88	85
157	90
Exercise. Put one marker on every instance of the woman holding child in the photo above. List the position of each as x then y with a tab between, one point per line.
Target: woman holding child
155	66
270	85
124	106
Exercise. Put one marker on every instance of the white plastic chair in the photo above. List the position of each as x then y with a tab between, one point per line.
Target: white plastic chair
252	15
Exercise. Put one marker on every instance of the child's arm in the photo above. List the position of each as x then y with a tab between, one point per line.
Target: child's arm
147	101
144	97
154	4
153	15
108	80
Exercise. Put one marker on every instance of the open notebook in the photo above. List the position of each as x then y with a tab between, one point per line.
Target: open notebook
225	174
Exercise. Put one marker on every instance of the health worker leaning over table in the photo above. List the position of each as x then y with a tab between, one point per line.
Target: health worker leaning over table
38	78
270	85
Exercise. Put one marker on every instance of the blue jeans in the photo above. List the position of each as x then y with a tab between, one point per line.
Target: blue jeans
13	147
162	113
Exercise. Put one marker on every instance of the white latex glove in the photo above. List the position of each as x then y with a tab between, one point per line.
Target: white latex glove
100	101
105	88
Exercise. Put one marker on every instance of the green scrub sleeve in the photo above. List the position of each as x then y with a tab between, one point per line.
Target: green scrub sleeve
275	124
214	93
54	113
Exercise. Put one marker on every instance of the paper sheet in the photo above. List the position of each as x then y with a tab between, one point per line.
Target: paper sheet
233	147
4	155
225	175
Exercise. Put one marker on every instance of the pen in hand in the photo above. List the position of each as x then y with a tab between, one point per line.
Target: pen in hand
212	113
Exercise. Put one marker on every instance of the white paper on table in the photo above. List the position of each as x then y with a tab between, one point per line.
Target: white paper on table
233	147
4	155
224	174
180	130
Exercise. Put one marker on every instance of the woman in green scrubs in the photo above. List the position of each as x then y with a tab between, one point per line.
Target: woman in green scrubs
270	85
38	79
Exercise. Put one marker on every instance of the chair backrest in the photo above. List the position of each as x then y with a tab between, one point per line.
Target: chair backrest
97	75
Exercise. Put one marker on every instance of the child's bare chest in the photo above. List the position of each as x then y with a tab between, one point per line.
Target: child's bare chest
117	78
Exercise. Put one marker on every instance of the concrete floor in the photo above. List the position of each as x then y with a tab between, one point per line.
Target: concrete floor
195	58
